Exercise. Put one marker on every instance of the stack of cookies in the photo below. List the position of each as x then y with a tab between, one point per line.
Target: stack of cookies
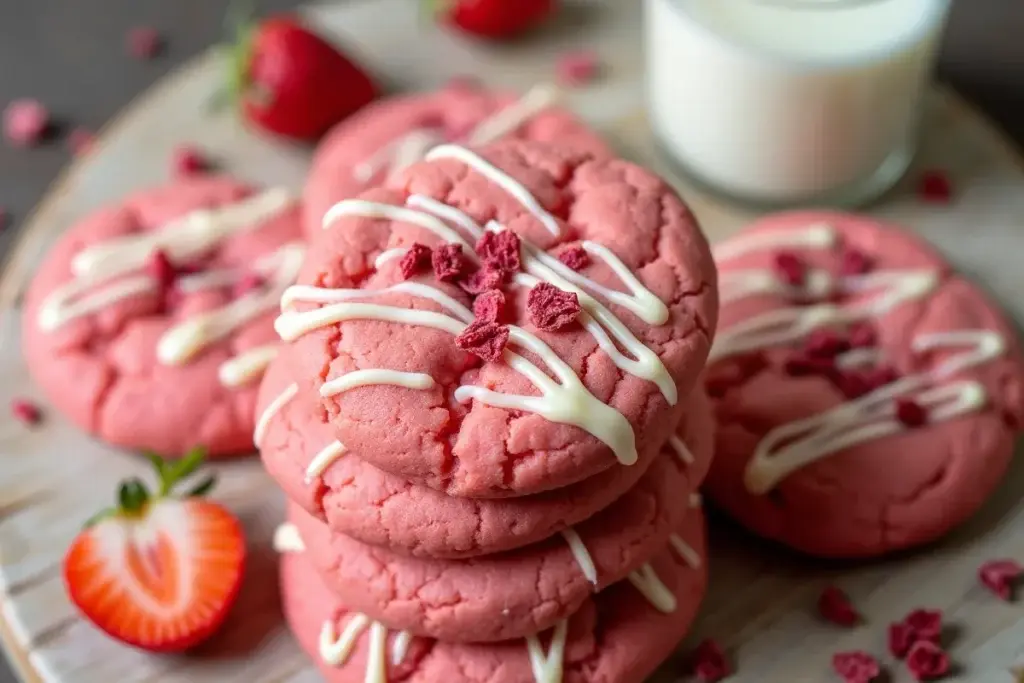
488	421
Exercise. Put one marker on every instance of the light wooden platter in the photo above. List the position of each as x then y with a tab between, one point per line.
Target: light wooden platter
761	601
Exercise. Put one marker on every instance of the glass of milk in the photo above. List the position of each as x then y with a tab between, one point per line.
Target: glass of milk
786	102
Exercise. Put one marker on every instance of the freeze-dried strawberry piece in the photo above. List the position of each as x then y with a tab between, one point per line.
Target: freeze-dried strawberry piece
901	637
144	42
489	306
855	262
500	251
835	606
576	258
910	412
921	624
26	412
862	335
856	667
161	269
853	384
800	364
25	122
709	663
826	343
999	576
416	260
483	279
449	262
484	338
552	308
935	187
187	160
927	661
577	68
790	268
880	376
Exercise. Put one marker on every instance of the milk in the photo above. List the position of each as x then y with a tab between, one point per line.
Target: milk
790	101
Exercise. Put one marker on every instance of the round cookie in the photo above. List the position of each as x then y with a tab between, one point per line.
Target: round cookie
359	500
615	637
867	396
564	402
507	595
164	353
391	133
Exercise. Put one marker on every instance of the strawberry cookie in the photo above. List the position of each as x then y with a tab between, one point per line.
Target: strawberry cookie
150	321
618	636
357	499
868	397
505	595
385	137
505	322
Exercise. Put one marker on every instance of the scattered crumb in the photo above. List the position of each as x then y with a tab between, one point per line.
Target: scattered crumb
144	42
26	122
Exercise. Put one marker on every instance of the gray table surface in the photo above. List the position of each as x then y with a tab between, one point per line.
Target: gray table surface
70	54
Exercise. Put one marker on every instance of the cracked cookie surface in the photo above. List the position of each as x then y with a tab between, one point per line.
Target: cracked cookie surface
863	435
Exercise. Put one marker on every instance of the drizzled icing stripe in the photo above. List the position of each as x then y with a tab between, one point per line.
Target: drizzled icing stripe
272	409
566	400
182	342
324	459
288	540
537	99
548	667
646	580
793	445
581	554
499	178
246	366
685	551
366	209
362	378
681	450
335	649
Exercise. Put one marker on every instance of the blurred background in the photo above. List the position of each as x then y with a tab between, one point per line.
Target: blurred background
71	55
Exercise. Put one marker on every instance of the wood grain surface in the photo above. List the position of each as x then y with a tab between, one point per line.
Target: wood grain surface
760	605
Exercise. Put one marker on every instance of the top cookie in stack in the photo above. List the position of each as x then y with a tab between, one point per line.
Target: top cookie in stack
486	414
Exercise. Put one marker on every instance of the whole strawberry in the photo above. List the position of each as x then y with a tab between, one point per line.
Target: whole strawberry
291	82
494	19
159	571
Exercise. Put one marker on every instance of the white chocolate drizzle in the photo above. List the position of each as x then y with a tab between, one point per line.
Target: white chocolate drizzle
288	540
375	376
501	123
646	580
324	458
681	450
793	445
272	409
499	178
335	649
247	366
366	209
581	554
548	667
685	551
400	647
185	340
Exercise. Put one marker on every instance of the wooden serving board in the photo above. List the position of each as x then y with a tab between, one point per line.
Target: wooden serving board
761	602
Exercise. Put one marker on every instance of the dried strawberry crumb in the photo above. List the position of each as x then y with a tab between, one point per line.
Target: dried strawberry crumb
26	122
935	187
853	384
880	376
188	161
449	262
826	343
161	269
862	335
484	338
927	623
482	280
801	364
144	42
576	258
247	283
835	606
901	637
855	262
927	661
577	68
910	412
489	306
856	667
709	663
500	251
416	260
26	411
999	576
552	308
790	268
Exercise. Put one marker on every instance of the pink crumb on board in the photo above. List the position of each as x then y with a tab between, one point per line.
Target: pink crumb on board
25	122
26	411
188	160
144	42
578	68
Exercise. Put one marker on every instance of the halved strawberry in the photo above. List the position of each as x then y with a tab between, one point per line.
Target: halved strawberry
158	572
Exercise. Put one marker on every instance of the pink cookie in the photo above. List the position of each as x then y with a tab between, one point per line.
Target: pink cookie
151	320
392	133
867	396
615	637
389	356
509	594
359	500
